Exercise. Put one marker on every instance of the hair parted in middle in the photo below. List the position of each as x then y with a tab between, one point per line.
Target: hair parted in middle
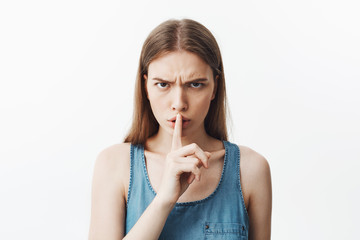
171	36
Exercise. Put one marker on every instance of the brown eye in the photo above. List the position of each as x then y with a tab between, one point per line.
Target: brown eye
162	85
196	85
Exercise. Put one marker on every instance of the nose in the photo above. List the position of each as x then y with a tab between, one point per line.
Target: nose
179	100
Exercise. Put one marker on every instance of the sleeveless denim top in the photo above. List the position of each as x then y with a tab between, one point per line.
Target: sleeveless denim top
221	215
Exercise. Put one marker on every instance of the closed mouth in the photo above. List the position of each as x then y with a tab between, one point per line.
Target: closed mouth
182	121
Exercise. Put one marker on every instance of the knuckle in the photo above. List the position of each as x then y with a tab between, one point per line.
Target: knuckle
196	160
194	145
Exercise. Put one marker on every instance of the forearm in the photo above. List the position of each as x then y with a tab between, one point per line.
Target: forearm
151	222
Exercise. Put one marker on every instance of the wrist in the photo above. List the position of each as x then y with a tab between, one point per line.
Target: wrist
163	204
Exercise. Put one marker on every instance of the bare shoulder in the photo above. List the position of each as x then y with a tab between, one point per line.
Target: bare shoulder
256	182
254	174
253	163
115	151
114	156
113	163
109	187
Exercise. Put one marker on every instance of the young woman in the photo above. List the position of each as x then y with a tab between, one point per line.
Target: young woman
176	176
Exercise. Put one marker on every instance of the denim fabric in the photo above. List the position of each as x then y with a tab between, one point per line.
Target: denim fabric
221	215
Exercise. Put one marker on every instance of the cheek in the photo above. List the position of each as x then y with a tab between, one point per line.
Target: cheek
202	102
157	103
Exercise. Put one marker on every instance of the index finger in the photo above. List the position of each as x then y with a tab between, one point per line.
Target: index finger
176	140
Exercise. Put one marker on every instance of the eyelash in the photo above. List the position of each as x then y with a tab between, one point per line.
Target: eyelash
160	85
200	84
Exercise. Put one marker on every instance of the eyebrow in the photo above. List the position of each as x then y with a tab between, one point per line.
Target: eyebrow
192	80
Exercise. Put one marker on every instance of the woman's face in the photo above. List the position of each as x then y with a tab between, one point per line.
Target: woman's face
180	82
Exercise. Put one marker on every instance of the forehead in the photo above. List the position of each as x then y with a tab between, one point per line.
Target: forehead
179	63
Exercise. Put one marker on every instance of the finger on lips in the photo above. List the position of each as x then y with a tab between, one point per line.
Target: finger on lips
176	141
194	154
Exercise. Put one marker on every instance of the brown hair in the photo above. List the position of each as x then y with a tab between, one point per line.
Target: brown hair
169	36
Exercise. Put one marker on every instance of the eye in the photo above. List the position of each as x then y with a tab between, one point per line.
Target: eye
196	85
162	84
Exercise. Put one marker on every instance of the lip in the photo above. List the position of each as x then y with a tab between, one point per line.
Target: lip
182	117
185	122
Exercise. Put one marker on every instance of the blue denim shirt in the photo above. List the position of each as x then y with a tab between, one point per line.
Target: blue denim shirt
221	215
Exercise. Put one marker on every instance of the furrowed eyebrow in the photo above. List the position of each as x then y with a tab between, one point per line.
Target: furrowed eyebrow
192	80
160	79
198	80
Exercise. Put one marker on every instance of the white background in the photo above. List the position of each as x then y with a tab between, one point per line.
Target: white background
67	71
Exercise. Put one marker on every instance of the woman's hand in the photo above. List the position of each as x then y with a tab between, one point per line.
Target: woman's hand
182	166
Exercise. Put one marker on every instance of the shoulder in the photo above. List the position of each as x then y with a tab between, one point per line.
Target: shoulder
115	155
111	174
254	170
114	152
113	163
256	180
253	161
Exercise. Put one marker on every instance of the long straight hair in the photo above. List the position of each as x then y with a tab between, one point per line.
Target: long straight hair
170	36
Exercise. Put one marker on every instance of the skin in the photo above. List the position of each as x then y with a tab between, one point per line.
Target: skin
183	162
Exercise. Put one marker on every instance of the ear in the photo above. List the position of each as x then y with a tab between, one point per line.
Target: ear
215	86
145	85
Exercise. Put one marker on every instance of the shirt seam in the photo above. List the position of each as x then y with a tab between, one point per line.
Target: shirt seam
193	203
239	182
131	174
